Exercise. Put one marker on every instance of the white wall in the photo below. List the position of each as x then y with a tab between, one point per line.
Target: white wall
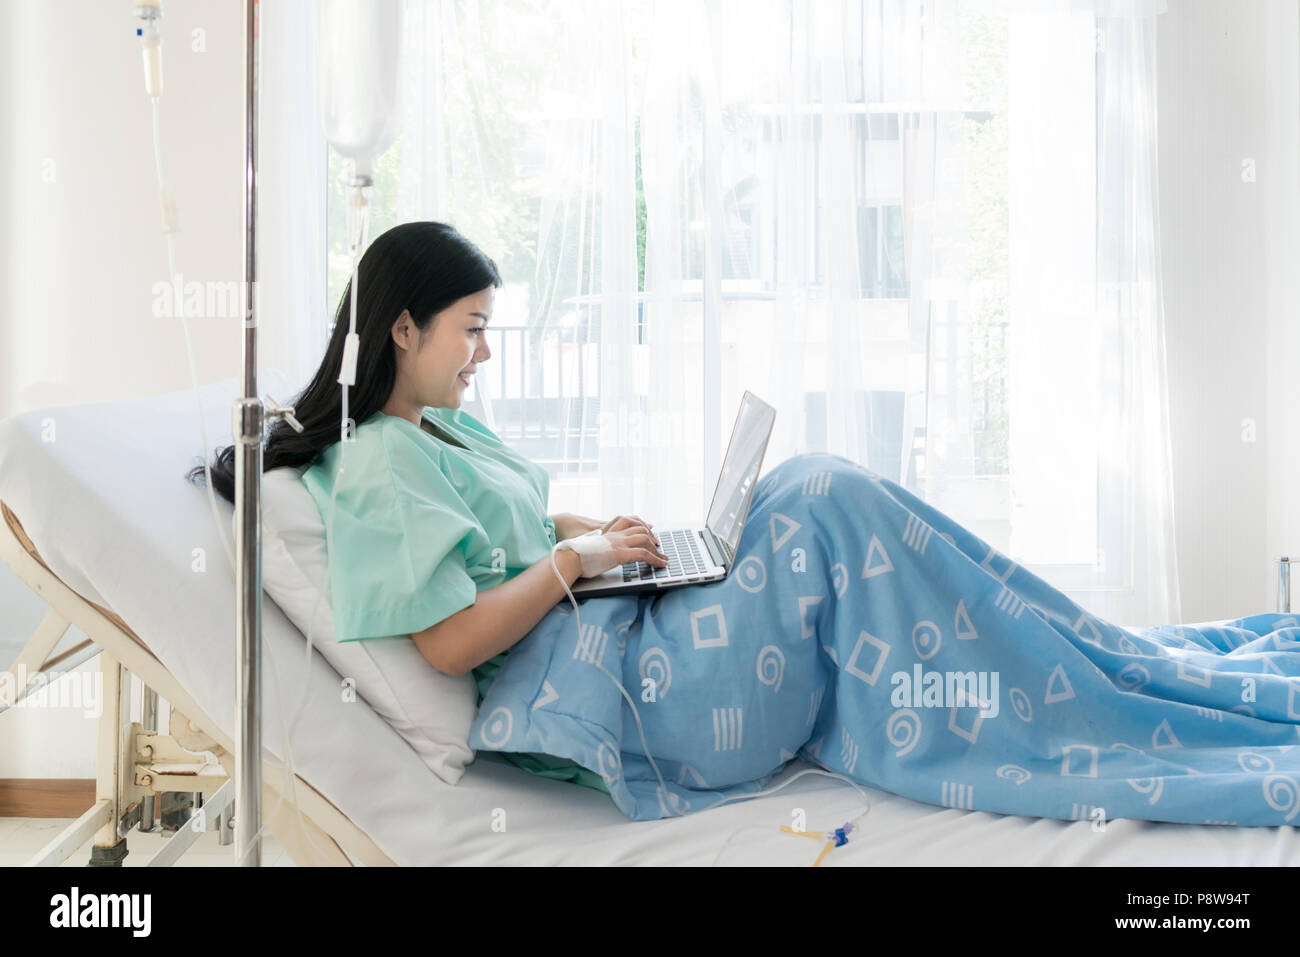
83	252
1229	92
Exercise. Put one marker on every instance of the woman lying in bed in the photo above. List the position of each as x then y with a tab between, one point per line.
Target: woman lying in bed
860	628
440	530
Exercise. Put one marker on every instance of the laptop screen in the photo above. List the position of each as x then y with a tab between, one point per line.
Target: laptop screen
740	469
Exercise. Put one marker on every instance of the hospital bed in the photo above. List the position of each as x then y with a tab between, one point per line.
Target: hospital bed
99	521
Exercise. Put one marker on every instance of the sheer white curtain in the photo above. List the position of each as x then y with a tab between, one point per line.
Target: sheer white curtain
924	232
291	237
1090	462
519	132
1134	416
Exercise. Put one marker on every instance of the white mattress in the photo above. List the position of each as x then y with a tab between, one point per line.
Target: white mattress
108	508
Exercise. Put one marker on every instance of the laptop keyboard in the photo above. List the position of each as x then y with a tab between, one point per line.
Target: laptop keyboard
683	551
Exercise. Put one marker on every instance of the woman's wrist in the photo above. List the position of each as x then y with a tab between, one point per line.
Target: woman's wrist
570	564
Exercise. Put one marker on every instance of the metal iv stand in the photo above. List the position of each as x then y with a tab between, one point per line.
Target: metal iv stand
248	420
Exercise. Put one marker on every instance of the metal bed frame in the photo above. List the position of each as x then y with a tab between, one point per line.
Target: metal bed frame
137	764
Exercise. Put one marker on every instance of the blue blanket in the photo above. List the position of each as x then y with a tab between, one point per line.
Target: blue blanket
868	633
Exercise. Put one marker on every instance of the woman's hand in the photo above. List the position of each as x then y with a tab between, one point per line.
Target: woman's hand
635	543
620	522
568	525
608	550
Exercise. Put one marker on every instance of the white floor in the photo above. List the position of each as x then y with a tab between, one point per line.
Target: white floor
21	837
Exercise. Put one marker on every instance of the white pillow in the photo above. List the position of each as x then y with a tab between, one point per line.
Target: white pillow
432	711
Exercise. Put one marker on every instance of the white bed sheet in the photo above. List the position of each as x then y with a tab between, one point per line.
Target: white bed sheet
106	504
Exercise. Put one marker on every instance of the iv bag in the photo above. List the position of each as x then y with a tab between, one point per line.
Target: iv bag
359	42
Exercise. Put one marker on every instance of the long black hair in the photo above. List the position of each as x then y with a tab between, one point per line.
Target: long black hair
424	267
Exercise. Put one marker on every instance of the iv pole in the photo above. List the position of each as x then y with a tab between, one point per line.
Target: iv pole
247	424
249	416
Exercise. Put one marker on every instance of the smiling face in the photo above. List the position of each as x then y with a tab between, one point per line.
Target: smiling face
437	371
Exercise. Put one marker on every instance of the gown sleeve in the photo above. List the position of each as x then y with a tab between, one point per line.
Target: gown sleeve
412	553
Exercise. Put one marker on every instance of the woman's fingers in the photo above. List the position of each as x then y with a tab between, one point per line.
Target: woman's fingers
624	522
653	546
640	546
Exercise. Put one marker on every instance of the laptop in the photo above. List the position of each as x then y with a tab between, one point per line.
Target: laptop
702	553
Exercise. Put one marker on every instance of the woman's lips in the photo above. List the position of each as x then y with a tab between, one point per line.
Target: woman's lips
463	378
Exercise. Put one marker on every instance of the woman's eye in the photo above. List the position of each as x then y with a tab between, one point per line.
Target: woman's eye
478	330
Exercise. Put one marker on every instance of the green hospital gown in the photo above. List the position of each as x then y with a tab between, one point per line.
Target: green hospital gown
422	525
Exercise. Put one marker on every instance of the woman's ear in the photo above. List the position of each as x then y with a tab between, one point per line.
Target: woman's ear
403	330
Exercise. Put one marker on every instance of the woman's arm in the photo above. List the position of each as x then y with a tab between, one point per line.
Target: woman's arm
498	618
502	615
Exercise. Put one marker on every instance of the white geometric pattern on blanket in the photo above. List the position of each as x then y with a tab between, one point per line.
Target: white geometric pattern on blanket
1080	758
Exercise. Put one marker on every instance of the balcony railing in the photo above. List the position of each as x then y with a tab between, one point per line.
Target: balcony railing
546	404
547	401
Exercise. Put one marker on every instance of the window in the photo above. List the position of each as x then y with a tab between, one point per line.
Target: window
941	315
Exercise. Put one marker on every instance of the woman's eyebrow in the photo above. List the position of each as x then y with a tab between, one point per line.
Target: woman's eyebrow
481	316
